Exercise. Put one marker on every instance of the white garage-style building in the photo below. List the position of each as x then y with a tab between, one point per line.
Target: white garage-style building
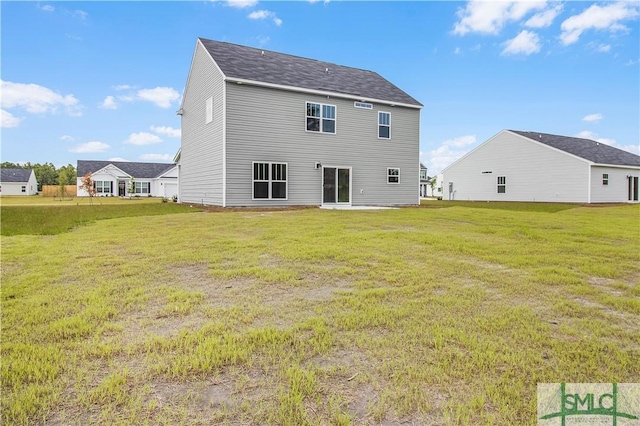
532	166
18	182
113	178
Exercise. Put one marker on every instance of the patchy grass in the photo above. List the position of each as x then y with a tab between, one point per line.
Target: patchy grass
54	218
427	316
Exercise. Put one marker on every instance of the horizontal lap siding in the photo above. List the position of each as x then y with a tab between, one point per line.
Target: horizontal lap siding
269	125
533	172
617	190
201	149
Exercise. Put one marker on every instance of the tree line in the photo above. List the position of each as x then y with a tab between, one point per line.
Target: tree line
47	174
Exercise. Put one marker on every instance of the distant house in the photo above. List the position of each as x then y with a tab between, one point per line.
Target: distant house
262	128
18	182
113	178
531	166
424	181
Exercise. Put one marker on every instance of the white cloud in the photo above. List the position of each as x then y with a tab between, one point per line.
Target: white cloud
263	39
142	138
161	96
606	18
109	103
47	8
67	138
9	120
156	157
117	159
599	47
457	51
526	43
448	152
37	99
489	17
545	18
167	131
120	87
593	117
89	147
241	4
80	14
265	14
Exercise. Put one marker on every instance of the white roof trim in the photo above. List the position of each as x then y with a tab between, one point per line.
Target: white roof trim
318	92
615	166
106	170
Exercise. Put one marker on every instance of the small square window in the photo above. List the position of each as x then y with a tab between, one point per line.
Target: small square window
393	175
321	118
605	178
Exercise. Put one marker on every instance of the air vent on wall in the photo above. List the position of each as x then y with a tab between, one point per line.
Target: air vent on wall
362	105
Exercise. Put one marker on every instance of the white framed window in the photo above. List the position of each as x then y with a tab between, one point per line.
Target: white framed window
393	175
24	188
269	181
142	187
102	186
209	110
605	178
321	118
423	174
502	184
384	125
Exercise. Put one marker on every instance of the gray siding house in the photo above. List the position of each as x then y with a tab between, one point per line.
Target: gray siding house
262	128
532	166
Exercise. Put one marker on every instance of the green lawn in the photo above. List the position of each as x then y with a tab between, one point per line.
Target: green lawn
411	316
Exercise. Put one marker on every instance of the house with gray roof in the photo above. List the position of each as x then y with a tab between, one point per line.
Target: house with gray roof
532	166
18	182
124	178
262	128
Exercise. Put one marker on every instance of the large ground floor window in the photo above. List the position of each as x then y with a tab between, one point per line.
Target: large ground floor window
142	187
269	181
103	186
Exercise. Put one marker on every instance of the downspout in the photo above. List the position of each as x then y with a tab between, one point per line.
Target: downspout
224	143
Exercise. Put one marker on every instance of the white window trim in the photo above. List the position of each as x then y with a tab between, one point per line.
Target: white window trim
209	110
504	184
605	180
148	187
269	181
388	175
335	120
389	125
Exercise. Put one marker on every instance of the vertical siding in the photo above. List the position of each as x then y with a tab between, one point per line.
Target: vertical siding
269	125
617	189
201	148
533	172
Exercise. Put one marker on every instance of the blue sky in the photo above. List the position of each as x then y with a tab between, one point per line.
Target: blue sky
103	80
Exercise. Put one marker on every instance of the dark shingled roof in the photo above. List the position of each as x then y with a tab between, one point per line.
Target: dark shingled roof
137	170
249	63
588	149
15	175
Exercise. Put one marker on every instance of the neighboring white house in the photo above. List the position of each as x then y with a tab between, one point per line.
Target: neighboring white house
262	128
424	181
113	178
18	182
531	166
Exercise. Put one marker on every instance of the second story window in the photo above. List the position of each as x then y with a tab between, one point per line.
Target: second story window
321	118
384	125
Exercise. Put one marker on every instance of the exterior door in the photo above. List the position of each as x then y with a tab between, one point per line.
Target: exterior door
121	188
336	185
632	184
